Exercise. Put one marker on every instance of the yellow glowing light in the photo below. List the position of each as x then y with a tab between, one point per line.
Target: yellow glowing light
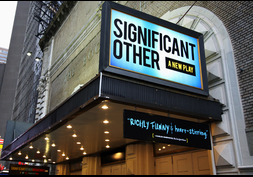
74	135
69	126
118	155
105	121
104	107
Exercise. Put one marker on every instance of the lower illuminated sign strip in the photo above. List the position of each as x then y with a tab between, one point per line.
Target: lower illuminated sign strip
15	169
143	126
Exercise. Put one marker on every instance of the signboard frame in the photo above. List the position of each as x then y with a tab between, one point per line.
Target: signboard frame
15	169
105	39
148	127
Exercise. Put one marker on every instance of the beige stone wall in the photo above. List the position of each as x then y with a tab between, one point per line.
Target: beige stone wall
75	58
78	18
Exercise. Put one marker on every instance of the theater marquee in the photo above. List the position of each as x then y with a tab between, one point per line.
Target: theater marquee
138	45
143	126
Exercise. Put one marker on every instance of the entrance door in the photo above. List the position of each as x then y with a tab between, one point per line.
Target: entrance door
164	166
195	163
182	164
119	169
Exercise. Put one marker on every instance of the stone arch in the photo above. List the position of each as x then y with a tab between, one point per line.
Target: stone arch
222	81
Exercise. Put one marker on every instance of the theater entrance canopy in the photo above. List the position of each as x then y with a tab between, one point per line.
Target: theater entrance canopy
95	113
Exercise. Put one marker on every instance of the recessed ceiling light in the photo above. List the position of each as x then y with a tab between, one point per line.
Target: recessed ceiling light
30	146
69	126
38	152
74	135
105	121
10	158
63	154
19	153
46	138
78	142
81	148
67	158
163	147
107	140
104	107
29	53
106	132
53	145
58	150
159	149
107	146
84	153
44	156
26	157
32	160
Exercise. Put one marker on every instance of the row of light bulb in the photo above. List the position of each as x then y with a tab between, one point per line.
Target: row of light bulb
159	149
74	135
26	157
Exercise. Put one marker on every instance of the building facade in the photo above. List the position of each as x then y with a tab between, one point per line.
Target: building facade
3	58
10	76
75	83
3	55
22	71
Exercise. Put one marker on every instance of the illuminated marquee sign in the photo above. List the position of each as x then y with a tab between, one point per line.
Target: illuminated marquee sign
143	126
15	169
138	45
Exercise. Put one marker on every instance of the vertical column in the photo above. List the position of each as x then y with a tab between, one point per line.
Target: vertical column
91	166
140	159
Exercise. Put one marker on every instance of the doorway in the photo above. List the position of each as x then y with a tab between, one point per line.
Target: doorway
190	163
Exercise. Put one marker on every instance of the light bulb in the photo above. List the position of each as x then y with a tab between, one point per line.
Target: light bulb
74	135
104	107
69	126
